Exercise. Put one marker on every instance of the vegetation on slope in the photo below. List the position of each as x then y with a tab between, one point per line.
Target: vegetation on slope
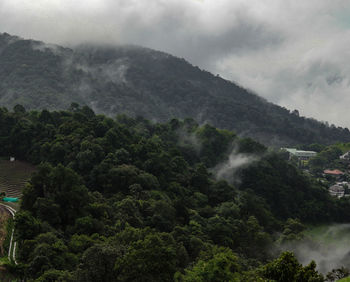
142	82
129	200
13	177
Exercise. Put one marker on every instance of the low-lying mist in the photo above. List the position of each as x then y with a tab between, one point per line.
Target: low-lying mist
227	169
328	246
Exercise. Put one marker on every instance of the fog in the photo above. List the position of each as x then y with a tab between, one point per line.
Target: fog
329	248
227	169
293	53
189	139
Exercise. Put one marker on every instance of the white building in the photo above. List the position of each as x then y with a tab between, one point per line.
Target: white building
346	156
300	154
337	190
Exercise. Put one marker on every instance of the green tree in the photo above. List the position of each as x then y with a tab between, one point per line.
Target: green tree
54	275
97	263
286	268
223	266
152	258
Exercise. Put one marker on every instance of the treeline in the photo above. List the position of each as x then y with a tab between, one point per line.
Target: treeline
140	81
128	200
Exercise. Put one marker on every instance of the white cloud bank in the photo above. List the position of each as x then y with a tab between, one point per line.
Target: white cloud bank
294	53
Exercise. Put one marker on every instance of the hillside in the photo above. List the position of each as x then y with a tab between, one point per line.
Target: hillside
142	82
130	200
13	177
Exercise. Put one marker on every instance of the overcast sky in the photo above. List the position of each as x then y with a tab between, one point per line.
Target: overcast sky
295	53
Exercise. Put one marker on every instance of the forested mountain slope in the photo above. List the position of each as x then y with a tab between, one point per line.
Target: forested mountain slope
129	200
143	82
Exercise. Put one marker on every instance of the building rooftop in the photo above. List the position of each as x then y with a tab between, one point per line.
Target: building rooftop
336	188
333	172
300	153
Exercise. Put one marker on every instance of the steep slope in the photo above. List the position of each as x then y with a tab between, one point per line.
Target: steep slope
141	81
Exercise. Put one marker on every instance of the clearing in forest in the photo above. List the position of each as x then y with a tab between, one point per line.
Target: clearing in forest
13	177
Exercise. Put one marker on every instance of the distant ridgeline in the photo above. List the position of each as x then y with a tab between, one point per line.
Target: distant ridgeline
143	82
129	200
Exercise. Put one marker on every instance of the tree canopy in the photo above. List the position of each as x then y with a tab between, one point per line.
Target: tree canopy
129	200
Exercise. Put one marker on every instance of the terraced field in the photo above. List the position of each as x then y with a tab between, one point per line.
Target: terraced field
13	177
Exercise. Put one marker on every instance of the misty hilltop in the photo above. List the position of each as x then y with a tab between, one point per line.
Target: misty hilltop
139	81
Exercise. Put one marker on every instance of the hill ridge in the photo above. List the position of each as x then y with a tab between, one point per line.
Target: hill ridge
140	81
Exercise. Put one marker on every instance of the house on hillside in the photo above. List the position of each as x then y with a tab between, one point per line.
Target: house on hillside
345	157
300	154
333	172
337	191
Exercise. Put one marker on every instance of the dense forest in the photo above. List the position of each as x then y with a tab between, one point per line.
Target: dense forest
142	82
126	199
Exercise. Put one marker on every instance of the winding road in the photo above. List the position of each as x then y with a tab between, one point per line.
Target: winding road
13	245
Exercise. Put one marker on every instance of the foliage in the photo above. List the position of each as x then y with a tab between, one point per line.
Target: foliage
337	274
223	266
119	80
286	268
130	200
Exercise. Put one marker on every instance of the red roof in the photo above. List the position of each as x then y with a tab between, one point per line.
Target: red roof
333	172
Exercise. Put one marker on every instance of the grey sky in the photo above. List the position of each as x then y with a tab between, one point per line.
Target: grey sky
294	53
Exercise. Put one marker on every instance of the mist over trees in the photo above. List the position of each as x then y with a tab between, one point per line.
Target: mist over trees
126	199
142	82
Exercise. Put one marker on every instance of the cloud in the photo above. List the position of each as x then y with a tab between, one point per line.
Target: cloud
202	29
227	169
308	70
293	53
329	249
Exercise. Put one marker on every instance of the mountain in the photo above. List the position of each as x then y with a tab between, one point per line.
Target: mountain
143	82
